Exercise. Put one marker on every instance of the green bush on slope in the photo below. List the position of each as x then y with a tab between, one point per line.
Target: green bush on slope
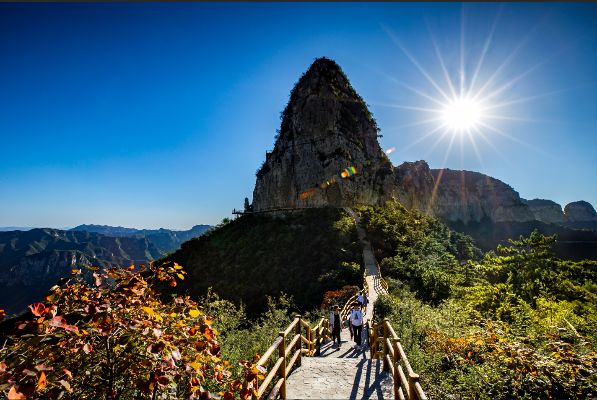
303	254
518	323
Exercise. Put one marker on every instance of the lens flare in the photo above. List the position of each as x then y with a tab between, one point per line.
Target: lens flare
347	173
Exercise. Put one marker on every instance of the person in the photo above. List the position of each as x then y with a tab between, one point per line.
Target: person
364	302
335	325
361	298
356	323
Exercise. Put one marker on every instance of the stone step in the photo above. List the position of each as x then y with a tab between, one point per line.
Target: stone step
339	378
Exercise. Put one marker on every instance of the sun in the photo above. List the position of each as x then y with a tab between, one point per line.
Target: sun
462	114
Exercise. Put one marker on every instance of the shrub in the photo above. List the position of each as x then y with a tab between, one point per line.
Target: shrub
116	338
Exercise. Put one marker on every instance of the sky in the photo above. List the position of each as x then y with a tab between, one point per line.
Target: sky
155	115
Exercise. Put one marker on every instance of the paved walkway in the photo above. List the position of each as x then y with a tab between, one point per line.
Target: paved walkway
339	378
344	372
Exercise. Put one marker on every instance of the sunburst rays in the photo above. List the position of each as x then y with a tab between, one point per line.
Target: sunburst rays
467	105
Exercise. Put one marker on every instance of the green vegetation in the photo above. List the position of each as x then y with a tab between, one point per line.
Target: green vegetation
418	250
517	323
303	254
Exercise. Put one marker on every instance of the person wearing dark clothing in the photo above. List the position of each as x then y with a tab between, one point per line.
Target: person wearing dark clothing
335	324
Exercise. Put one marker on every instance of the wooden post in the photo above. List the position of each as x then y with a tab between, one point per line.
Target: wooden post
412	379
282	371
318	341
299	343
386	367
395	359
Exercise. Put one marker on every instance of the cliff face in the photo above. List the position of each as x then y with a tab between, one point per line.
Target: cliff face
471	197
414	184
546	211
326	129
462	196
580	211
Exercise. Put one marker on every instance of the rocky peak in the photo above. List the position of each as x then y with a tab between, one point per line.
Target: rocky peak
326	129
546	210
469	196
580	211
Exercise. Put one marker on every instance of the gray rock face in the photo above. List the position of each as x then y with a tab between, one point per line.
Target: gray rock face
546	211
471	197
580	211
415	183
326	129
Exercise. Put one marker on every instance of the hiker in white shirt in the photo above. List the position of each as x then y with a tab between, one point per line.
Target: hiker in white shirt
356	323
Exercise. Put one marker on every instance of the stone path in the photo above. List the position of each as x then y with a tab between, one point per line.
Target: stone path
345	372
339	378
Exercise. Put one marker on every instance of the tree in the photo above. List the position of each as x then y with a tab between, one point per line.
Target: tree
115	338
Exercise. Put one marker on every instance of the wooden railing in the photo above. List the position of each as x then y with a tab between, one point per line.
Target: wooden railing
385	344
285	353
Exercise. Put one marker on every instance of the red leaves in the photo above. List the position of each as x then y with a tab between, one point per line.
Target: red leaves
2	314
97	278
60	322
156	348
127	316
37	309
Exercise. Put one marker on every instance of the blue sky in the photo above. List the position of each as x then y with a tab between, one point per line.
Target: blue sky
159	114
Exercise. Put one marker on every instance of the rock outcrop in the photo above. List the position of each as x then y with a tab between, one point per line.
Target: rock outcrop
546	211
326	129
414	184
579	211
462	196
468	196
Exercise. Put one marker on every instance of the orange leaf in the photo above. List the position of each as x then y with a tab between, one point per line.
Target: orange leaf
42	382
67	372
14	395
37	309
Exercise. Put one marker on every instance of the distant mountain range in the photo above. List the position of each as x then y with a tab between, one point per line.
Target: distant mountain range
166	240
33	260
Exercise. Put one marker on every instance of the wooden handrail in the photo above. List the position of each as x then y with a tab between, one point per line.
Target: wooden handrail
312	338
383	342
406	381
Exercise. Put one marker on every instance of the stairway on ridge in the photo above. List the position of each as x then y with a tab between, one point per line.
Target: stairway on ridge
345	372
